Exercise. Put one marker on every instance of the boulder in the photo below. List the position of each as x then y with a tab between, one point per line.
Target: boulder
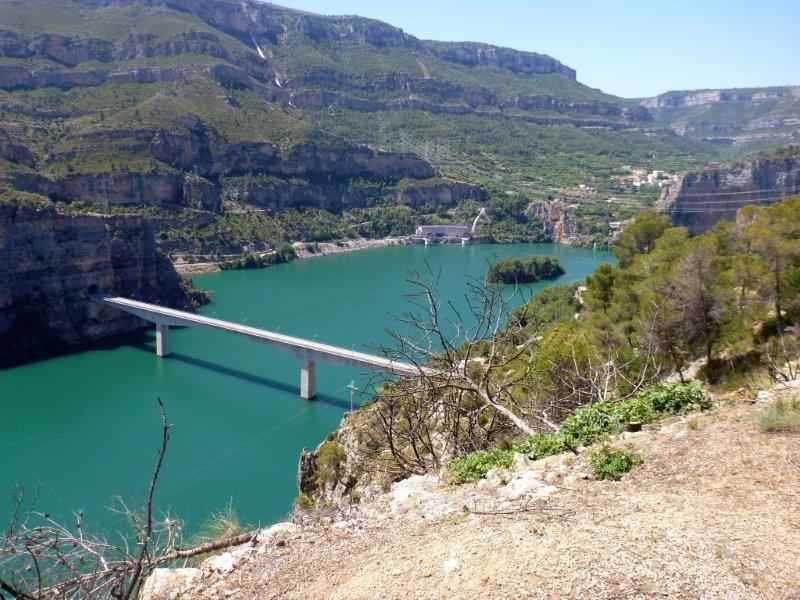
167	584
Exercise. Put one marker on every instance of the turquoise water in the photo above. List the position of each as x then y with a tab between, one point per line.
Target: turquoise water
78	430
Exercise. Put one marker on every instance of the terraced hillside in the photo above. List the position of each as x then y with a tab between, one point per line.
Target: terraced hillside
225	118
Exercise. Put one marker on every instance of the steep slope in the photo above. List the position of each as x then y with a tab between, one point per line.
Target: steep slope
703	198
696	520
193	104
52	263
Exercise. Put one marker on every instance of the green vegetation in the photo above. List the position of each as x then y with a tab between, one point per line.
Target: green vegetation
305	502
474	466
524	270
330	458
221	525
612	463
781	417
571	369
284	254
587	426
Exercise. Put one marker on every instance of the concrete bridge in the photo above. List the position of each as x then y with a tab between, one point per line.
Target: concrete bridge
307	351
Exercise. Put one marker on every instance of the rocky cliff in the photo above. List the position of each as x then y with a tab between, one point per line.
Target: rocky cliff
731	117
702	199
50	266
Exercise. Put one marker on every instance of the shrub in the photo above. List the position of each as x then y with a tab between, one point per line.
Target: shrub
677	398
476	465
542	445
221	525
612	463
330	458
587	425
304	501
782	417
636	410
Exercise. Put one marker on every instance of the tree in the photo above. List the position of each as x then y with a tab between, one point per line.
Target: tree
639	237
773	235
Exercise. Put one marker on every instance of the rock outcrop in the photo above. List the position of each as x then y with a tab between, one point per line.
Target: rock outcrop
50	266
684	99
557	219
702	199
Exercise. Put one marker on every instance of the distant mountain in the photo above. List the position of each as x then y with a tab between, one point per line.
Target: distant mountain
207	104
748	117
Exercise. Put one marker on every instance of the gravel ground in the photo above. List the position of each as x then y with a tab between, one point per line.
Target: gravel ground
714	512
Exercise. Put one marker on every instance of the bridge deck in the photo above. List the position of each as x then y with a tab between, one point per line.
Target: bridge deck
310	349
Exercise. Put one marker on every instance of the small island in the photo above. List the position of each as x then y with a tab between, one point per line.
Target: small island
529	269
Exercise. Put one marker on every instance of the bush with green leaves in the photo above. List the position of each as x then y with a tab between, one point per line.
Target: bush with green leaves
676	398
612	463
476	465
589	425
542	445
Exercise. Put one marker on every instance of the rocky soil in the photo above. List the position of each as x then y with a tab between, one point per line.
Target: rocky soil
712	513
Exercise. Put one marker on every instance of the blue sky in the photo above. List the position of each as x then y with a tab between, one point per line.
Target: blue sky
630	48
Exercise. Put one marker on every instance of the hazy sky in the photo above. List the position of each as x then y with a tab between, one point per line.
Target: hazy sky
630	48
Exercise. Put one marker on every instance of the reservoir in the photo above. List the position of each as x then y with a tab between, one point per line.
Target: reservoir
78	430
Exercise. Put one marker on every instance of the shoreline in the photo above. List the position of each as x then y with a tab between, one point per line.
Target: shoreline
309	250
304	251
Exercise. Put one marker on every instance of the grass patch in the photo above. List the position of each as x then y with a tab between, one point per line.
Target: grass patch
221	525
610	463
781	417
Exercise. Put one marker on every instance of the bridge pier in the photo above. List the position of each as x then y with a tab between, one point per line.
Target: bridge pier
162	340
308	380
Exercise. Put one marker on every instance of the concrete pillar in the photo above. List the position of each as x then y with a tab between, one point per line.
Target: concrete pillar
308	380
162	340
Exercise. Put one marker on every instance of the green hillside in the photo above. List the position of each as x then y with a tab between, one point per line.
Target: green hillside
171	103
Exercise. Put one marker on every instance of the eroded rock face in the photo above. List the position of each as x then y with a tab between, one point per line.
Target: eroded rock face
474	54
50	266
684	99
15	77
703	199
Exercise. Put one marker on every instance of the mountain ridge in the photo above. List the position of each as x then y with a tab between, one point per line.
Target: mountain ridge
216	105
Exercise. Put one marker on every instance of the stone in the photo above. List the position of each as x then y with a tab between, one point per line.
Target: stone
552	477
498	476
521	463
278	532
223	563
529	485
167	584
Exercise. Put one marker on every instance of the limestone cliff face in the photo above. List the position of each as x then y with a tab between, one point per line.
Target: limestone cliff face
558	220
251	20
704	198
705	97
50	265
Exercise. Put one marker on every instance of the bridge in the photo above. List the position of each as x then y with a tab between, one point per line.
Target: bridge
307	351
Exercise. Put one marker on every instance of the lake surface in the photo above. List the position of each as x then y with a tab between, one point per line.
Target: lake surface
78	430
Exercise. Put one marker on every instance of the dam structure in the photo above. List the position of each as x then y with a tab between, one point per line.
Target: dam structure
308	352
